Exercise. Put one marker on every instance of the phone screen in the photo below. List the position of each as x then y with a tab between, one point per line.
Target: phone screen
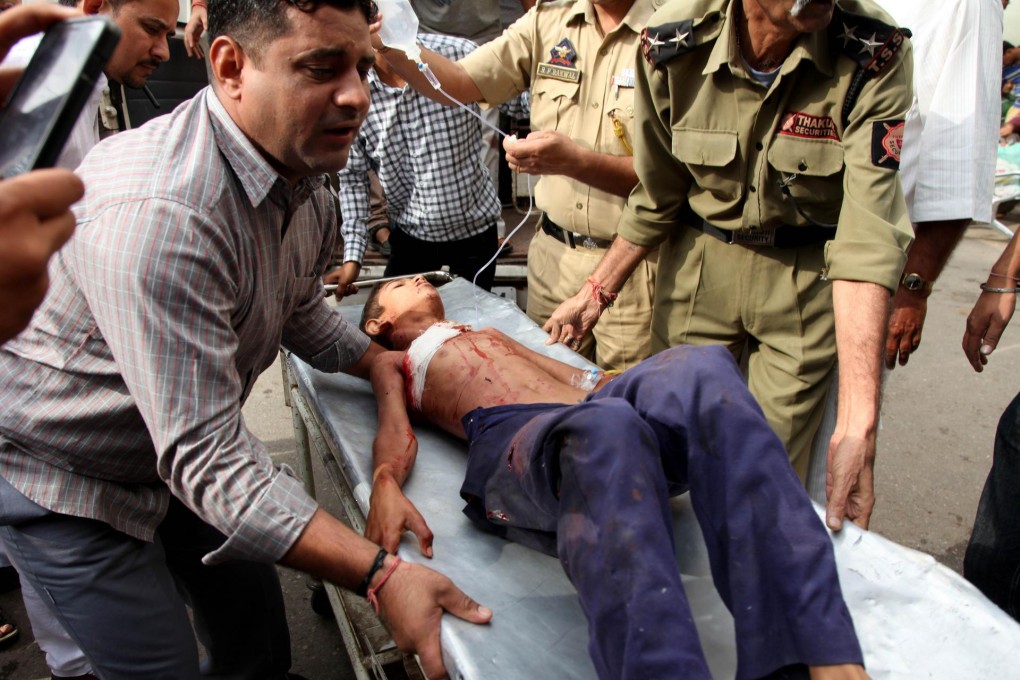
48	98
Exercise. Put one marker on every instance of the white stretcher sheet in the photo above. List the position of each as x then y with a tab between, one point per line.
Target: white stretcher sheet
915	618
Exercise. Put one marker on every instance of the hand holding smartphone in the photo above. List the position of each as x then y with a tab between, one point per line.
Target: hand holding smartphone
44	105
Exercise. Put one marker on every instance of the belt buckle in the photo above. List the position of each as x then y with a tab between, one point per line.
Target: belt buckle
754	237
589	243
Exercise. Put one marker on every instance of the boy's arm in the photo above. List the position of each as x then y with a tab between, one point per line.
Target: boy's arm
393	454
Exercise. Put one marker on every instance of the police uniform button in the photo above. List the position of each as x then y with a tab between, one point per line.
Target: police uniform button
752	188
580	206
802	166
759	146
594	105
603	52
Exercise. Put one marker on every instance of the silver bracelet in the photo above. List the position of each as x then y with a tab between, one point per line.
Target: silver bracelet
988	289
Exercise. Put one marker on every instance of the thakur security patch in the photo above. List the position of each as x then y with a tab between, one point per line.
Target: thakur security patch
886	143
807	126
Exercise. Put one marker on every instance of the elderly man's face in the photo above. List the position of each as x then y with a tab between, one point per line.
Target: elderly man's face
304	101
804	16
145	27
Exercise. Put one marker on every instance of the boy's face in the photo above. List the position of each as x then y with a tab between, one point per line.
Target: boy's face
404	296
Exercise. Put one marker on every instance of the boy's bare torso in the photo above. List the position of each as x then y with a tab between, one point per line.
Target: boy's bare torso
487	368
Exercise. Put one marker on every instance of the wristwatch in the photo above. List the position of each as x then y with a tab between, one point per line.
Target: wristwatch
914	282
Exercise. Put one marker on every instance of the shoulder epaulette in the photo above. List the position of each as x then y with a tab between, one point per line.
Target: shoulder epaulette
870	42
661	43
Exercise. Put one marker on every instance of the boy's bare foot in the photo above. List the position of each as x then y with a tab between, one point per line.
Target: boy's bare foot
846	671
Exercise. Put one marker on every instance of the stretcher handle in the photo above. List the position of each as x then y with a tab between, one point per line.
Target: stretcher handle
436	278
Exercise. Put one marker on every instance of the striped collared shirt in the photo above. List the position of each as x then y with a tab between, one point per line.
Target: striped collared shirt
428	160
192	262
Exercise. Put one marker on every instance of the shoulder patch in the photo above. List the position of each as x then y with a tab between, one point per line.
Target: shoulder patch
886	143
659	44
871	43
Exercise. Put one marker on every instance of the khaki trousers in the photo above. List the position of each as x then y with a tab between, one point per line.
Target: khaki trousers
771	302
556	272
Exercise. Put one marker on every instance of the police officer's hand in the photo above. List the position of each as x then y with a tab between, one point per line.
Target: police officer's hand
905	325
985	325
343	277
35	220
850	480
197	23
573	319
542	153
413	601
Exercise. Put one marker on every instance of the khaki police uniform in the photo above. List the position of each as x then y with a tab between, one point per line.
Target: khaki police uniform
582	85
802	177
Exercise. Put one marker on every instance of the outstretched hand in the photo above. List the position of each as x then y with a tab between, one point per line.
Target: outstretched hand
391	514
850	481
573	319
413	602
985	325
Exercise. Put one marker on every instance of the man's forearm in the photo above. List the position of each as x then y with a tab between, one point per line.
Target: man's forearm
612	174
453	77
934	242
330	550
1008	264
861	310
619	263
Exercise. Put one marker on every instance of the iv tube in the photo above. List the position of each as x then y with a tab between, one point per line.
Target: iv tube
434	81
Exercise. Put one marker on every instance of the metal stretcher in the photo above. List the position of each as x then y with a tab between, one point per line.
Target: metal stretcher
915	618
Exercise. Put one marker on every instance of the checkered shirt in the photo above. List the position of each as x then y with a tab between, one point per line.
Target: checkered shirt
428	160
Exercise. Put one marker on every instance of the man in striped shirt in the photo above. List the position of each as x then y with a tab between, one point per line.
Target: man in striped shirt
126	469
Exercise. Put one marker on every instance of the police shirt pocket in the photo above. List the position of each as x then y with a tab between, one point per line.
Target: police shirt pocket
707	153
552	104
813	172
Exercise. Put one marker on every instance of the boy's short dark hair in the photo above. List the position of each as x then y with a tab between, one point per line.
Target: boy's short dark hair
254	24
374	310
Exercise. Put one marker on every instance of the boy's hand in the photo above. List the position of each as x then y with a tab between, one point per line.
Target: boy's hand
391	514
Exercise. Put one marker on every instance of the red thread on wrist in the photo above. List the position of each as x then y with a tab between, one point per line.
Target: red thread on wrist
386	575
199	3
602	296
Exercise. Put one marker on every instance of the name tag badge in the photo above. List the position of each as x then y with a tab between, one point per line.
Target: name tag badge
570	75
561	63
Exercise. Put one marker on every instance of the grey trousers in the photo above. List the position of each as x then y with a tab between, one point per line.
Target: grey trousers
124	600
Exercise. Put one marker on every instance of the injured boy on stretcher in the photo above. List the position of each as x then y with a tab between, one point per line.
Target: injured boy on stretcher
582	465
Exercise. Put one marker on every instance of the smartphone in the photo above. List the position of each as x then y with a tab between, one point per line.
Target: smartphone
44	105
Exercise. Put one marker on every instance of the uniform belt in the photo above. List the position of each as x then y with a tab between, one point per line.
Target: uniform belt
572	238
786	236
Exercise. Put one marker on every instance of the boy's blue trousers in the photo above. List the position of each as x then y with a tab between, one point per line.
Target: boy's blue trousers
591	483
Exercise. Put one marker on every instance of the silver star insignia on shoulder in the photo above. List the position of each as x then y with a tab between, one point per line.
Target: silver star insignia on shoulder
681	38
849	34
869	45
654	42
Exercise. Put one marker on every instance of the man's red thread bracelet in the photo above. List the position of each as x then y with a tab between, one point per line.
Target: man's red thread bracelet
602	296
372	591
199	3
